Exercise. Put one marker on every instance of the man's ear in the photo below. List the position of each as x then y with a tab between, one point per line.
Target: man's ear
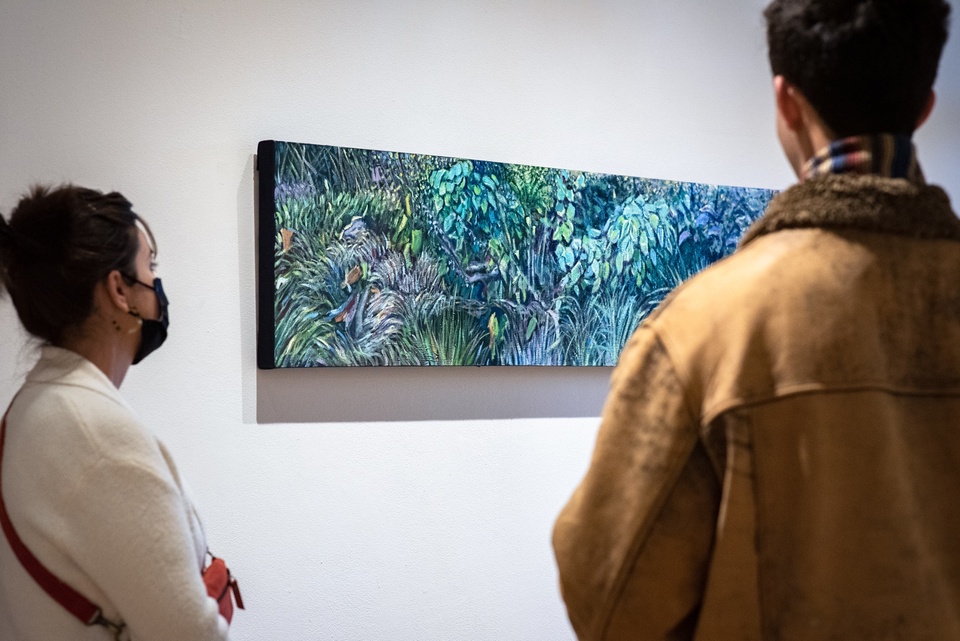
788	103
927	108
116	291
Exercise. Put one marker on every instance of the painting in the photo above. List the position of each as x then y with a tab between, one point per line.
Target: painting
373	258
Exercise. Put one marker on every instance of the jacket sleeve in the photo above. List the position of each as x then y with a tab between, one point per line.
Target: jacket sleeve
133	540
633	543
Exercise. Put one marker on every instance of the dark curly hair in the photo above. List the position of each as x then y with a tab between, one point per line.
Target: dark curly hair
58	244
866	66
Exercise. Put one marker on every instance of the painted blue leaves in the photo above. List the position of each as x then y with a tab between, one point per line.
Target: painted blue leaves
389	258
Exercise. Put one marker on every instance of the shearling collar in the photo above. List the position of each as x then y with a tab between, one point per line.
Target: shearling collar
861	202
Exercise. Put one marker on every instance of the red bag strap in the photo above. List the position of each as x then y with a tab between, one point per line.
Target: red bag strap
74	602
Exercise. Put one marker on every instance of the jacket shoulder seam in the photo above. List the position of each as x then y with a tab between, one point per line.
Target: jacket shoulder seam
788	391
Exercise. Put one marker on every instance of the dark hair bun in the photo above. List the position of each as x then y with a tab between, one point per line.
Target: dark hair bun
58	244
6	237
7	244
42	224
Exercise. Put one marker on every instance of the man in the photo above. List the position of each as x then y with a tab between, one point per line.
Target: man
779	457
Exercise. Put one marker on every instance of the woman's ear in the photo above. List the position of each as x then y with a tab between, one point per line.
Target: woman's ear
116	290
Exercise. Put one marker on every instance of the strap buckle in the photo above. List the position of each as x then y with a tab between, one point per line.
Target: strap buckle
115	629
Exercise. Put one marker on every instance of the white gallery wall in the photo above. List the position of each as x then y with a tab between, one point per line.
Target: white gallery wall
366	504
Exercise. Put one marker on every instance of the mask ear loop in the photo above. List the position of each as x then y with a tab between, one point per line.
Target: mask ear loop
133	311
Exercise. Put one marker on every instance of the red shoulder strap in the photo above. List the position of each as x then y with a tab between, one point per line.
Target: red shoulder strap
73	601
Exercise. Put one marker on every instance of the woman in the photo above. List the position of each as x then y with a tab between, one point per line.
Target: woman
90	492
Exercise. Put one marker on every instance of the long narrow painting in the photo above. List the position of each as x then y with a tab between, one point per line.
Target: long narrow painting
384	258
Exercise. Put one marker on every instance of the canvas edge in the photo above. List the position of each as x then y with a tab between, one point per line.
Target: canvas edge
266	283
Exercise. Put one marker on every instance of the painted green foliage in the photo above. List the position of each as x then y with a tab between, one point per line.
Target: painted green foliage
386	258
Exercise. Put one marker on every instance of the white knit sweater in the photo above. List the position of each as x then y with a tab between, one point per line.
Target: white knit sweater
97	499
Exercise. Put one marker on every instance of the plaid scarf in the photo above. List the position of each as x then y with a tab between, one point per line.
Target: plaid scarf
889	155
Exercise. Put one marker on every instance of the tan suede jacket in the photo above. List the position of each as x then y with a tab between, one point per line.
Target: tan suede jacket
779	457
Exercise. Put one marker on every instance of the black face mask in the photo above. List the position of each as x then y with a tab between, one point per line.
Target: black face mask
152	332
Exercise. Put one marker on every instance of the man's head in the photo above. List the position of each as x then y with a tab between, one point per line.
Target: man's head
864	66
